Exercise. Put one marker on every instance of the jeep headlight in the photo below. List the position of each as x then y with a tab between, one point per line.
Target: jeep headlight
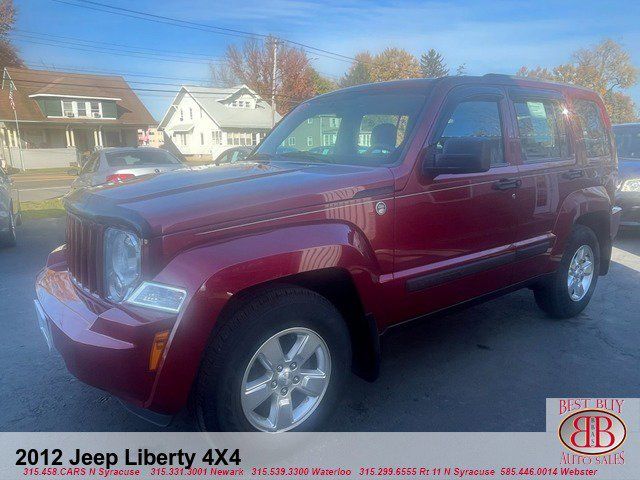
631	185
122	263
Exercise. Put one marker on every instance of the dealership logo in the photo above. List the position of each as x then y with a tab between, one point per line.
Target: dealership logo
592	432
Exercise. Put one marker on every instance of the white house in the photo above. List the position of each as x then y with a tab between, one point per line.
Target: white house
206	121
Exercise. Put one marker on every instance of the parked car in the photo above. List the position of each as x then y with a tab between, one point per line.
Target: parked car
117	164
254	289
9	210
628	194
232	155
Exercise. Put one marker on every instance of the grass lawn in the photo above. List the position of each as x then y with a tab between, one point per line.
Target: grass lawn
51	208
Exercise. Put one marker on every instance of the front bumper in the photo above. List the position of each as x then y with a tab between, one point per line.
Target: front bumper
103	345
630	204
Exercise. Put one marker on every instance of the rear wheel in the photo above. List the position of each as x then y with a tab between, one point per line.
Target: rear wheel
277	364
569	290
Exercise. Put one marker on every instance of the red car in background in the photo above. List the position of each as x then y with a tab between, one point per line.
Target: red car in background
253	288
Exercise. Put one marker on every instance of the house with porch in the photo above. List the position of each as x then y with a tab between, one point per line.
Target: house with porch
203	122
62	116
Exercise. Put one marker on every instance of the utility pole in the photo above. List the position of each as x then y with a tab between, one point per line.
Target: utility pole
273	83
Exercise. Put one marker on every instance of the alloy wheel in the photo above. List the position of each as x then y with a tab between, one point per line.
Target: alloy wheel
285	380
581	270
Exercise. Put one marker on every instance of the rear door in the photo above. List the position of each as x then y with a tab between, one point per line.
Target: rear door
549	171
455	232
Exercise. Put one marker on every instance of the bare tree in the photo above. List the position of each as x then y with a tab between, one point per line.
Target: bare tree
252	64
9	56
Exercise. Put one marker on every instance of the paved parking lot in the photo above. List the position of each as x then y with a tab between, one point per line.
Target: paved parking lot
488	368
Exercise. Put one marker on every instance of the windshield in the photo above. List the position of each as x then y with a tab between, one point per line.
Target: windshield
350	128
140	158
627	141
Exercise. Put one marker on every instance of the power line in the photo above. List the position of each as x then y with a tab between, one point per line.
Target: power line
126	46
70	68
91	49
97	6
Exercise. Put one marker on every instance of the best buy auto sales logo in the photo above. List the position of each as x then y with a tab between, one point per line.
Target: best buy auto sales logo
593	434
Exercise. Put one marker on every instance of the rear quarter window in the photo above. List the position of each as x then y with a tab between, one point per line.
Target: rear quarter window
594	133
140	158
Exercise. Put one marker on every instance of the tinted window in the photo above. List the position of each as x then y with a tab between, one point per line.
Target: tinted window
593	132
542	129
357	127
140	158
478	118
627	141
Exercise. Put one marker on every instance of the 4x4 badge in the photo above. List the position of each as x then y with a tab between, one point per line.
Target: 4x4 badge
381	208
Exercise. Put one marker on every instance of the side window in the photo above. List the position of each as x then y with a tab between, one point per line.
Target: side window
595	137
476	118
542	127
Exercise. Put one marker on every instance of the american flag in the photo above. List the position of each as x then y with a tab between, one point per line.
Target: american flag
11	88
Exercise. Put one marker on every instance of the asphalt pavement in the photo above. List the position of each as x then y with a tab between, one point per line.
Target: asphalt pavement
487	368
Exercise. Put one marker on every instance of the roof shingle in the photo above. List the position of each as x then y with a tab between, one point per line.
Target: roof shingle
131	111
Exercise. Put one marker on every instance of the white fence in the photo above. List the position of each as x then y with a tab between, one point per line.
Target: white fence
40	157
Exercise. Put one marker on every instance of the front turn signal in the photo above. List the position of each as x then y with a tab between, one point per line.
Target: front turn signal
157	348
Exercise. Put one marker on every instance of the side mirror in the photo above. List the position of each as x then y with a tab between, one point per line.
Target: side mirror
460	155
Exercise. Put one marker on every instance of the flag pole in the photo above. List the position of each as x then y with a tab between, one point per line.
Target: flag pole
12	87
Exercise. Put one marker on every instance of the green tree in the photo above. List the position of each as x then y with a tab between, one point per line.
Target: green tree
605	68
359	72
432	65
321	83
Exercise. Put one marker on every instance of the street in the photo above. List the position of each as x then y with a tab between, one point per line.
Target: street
38	187
487	368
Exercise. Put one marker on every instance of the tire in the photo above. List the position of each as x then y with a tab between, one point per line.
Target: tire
8	238
231	361
554	296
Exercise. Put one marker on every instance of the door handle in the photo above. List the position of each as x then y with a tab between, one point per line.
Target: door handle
507	183
573	174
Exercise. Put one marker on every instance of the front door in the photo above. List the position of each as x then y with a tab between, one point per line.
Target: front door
455	232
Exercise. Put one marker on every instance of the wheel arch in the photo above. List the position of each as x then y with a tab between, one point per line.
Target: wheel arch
590	207
221	274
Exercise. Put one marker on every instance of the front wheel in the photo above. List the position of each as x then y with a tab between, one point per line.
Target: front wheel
278	363
569	290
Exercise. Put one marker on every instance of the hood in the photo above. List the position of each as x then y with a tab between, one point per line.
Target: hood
628	168
215	195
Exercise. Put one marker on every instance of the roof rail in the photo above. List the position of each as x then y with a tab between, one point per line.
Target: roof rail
500	75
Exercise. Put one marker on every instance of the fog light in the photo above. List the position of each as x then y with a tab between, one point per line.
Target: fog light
158	296
159	342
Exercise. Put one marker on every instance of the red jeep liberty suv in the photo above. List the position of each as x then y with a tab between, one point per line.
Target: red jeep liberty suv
253	288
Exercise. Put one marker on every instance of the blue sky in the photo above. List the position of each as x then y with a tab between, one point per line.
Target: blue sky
489	36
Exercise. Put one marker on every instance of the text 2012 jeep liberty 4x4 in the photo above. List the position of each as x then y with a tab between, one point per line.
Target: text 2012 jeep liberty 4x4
253	288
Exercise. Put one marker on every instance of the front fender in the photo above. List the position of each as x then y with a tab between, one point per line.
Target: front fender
214	273
574	206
